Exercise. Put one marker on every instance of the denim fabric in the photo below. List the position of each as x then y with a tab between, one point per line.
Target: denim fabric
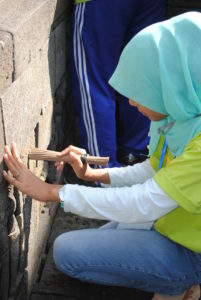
141	259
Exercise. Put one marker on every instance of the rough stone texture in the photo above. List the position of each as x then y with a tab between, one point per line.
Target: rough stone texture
35	91
4	244
22	101
34	87
30	23
2	142
45	126
39	230
6	60
32	58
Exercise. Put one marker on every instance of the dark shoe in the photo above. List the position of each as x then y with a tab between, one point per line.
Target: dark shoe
129	159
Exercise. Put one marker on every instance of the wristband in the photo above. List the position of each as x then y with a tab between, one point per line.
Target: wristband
62	203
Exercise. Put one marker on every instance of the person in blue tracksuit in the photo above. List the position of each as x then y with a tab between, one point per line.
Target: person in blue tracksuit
101	28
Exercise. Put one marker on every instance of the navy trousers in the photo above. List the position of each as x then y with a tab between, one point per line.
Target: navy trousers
101	28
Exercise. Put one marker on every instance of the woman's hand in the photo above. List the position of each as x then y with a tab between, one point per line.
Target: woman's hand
25	180
79	151
83	171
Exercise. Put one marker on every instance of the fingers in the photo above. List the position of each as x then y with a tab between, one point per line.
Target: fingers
74	149
15	153
10	179
59	165
75	160
12	160
11	166
67	152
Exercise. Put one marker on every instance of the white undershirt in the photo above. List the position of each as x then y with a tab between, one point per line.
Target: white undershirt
133	198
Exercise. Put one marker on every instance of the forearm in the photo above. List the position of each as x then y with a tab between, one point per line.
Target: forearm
98	175
125	176
53	192
43	191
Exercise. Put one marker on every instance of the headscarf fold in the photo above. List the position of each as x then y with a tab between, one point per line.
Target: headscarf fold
160	68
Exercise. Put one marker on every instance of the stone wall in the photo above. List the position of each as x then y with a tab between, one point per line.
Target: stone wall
34	96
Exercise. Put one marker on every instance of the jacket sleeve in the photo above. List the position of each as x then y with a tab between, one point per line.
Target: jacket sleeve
135	204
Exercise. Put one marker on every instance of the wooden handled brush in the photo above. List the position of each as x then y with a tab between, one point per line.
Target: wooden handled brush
49	155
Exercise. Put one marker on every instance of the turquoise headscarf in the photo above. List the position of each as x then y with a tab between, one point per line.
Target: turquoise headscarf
160	68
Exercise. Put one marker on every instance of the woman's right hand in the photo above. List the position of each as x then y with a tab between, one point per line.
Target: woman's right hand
83	171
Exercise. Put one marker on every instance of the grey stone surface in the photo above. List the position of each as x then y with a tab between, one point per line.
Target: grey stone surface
4	244
6	60
2	143
39	228
14	245
30	36
30	23
52	61
22	102
45	126
4	275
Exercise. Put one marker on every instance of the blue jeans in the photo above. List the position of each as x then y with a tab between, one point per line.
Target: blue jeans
141	259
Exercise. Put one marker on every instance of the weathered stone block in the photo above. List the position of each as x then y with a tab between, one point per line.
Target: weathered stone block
2	143
25	20
31	49
39	231
4	275
14	245
6	60
22	102
30	23
45	126
4	244
52	62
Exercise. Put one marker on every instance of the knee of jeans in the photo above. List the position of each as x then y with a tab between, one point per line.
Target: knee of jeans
60	252
64	253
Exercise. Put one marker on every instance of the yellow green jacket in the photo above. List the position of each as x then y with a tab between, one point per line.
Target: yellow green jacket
80	1
180	178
